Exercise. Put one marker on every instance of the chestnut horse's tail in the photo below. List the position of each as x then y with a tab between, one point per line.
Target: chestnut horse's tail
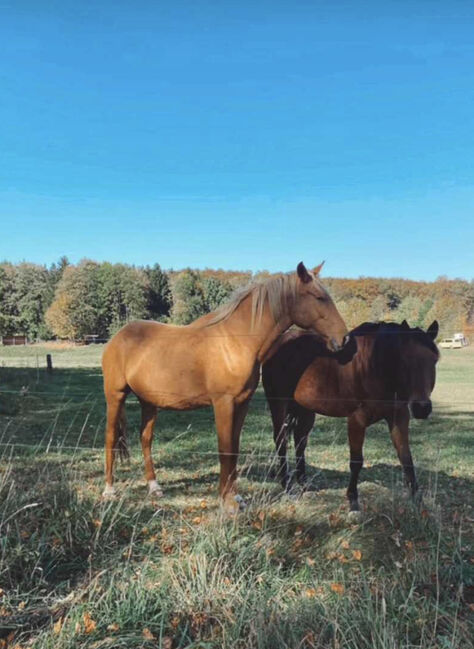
121	445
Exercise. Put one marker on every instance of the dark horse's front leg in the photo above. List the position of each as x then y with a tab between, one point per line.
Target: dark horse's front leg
278	410
303	423
398	423
356	426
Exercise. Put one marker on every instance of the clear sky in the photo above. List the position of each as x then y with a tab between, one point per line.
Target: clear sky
237	134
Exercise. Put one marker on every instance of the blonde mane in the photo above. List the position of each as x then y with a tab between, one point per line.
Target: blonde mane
279	292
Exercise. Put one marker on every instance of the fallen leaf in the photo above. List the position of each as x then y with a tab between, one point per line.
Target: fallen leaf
148	635
113	627
334	519
57	626
90	625
338	588
310	592
345	545
357	555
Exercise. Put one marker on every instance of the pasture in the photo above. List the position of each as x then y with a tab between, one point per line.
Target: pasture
291	572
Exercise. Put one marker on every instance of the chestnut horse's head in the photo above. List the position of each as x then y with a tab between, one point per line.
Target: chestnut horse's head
314	309
406	359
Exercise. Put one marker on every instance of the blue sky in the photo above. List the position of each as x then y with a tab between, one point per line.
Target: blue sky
243	135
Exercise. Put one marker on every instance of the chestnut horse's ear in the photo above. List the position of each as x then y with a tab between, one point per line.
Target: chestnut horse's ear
317	269
405	325
303	274
433	330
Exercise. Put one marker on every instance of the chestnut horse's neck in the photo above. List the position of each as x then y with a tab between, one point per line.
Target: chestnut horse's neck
238	324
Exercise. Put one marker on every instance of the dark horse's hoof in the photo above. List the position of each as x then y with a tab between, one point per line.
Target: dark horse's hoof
354	516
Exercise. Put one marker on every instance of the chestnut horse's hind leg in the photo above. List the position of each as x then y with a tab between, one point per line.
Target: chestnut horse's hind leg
149	412
115	404
356	431
398	423
229	419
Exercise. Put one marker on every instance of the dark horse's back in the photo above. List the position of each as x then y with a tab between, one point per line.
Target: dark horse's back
289	358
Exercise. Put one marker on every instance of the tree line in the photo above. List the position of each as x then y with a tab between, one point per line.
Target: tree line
67	301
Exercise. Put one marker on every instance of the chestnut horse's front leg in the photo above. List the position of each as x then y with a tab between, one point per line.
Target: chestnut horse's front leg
398	423
149	412
229	420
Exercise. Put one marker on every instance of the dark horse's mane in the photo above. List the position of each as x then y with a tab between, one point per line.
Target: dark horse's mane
382	329
385	354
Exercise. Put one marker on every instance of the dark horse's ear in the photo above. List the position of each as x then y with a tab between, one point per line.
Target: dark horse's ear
303	274
405	325
433	329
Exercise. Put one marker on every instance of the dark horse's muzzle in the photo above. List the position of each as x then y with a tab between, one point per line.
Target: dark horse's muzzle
346	353
421	409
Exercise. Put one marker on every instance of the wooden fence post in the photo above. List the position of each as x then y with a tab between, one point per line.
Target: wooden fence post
49	363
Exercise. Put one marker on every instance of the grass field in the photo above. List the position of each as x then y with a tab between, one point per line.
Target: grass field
76	571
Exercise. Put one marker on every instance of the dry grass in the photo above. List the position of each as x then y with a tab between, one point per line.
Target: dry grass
292	573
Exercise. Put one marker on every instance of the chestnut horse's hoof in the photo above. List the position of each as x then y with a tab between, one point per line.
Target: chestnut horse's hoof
154	489
109	492
240	502
233	504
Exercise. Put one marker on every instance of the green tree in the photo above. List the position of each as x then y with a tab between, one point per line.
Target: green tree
25	295
97	299
409	310
189	302
216	292
78	309
159	299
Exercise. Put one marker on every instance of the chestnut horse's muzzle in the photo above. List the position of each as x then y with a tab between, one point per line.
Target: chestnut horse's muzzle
421	409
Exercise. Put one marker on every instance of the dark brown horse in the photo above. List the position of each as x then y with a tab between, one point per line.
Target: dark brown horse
213	361
392	373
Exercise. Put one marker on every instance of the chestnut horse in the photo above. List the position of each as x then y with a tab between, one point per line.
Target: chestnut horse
213	361
392	373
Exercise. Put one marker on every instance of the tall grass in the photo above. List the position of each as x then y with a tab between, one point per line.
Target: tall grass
289	572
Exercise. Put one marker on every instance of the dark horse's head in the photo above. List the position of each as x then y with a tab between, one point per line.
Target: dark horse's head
405	358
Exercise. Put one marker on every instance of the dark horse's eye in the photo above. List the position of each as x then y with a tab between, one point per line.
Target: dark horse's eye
321	298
